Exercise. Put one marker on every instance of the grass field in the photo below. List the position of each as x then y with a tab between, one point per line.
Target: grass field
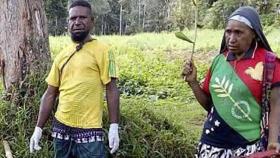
207	40
160	116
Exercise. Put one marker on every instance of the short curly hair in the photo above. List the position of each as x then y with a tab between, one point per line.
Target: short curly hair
83	3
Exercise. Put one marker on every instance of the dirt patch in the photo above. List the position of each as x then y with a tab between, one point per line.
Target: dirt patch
199	56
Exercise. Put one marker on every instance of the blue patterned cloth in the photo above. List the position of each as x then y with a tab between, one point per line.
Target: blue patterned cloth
79	135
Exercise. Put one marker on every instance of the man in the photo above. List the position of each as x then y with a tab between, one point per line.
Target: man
232	91
78	76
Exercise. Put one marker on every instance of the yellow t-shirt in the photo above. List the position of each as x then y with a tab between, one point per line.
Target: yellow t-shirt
81	84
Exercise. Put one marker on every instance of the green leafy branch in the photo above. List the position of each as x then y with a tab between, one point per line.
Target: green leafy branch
182	36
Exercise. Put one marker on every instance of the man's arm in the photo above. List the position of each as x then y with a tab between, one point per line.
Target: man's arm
113	101
274	119
47	104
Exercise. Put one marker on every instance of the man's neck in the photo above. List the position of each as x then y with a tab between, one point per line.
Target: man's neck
87	39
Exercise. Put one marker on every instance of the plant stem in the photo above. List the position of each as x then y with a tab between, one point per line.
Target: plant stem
195	29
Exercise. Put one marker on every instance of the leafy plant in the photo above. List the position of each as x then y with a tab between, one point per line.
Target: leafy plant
181	36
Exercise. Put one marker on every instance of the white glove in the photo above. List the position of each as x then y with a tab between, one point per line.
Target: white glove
113	136
34	140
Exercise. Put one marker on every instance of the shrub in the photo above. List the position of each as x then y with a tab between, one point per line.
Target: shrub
153	135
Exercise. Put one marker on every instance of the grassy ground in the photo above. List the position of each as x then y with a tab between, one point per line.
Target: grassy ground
160	117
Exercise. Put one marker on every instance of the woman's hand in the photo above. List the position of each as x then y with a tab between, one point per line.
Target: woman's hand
274	146
189	72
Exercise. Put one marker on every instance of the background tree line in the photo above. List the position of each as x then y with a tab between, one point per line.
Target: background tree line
133	16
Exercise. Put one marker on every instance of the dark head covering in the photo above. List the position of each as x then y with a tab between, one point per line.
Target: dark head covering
252	15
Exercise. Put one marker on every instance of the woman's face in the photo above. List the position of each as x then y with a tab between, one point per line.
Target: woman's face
239	37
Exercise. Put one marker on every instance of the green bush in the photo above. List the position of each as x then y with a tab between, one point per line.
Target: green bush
268	19
147	133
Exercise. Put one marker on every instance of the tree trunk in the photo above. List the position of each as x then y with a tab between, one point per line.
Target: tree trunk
120	29
139	14
24	47
56	32
144	15
102	25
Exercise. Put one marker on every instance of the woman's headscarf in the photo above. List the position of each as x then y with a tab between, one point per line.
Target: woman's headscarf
250	14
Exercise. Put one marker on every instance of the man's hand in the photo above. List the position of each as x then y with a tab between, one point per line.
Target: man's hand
34	140
113	136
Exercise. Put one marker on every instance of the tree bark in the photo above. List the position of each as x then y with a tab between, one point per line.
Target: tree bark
24	47
121	10
139	14
144	15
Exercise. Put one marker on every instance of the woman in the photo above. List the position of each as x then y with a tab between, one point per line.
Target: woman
232	91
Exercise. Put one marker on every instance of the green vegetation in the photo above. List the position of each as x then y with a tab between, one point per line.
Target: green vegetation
158	15
160	116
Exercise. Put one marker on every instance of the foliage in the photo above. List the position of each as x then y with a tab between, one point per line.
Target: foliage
219	11
56	12
151	136
146	60
154	135
164	120
139	136
158	15
17	122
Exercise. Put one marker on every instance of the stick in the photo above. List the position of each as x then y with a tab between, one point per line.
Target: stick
195	29
7	149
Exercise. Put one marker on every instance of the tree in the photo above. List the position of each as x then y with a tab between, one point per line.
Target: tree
101	9
56	11
133	16
24	49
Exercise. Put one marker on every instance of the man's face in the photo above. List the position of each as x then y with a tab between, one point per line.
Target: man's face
238	36
80	23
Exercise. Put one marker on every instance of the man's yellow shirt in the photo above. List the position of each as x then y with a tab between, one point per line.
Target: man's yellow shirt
81	85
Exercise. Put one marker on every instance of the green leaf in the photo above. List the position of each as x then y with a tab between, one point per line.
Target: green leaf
217	80
222	95
215	86
219	90
223	81
181	36
230	88
226	85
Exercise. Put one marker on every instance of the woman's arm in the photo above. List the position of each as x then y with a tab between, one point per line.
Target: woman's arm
189	74
274	119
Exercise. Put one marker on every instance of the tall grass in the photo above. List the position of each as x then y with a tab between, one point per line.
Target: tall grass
159	115
208	40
